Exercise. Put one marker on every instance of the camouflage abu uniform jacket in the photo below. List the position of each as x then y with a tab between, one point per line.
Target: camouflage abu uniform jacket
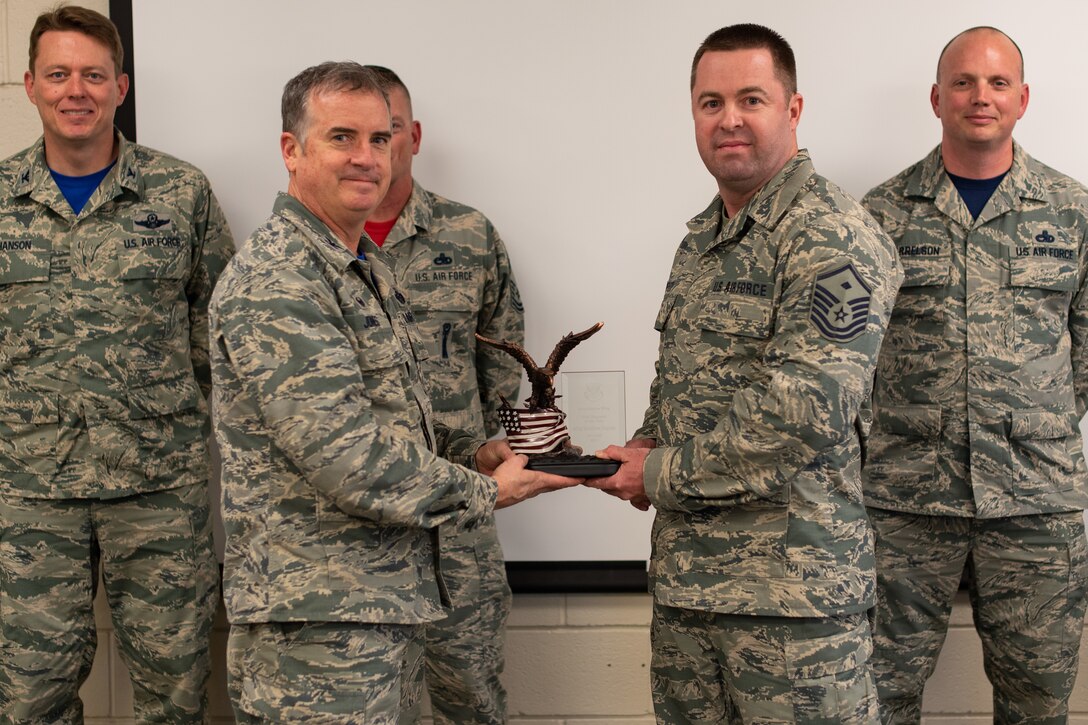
332	495
770	329
455	269
103	327
983	376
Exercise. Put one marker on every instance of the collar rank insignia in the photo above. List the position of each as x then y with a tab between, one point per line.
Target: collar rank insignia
151	222
840	304
443	259
25	178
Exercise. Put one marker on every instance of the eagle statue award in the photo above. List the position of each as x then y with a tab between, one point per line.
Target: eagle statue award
539	430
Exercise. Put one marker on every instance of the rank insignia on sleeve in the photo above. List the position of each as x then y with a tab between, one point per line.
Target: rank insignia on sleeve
840	304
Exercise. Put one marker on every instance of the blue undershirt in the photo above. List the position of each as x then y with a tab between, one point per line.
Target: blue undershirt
78	189
975	192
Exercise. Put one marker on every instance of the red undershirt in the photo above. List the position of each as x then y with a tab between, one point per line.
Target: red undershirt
378	231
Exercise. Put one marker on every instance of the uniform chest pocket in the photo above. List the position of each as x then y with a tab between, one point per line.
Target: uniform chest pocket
749	318
25	299
917	321
1056	275
378	347
446	329
163	259
1042	280
23	260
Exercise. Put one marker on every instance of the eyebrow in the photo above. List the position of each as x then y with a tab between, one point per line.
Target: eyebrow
747	90
69	66
987	76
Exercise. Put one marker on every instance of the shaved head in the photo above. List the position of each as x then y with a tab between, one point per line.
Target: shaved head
980	29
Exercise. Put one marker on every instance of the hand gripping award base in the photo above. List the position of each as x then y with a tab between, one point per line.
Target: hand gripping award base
538	430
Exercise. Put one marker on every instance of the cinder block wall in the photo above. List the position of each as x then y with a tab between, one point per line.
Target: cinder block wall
571	659
585	660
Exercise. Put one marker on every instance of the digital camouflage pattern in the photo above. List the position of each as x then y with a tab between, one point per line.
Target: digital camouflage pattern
1028	581
338	674
733	668
975	458
103	327
983	377
455	270
103	363
454	267
162	585
756	478
333	492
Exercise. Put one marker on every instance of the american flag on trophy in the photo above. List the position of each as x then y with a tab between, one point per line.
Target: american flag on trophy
538	431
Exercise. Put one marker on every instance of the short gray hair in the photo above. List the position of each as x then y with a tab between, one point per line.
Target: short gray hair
330	76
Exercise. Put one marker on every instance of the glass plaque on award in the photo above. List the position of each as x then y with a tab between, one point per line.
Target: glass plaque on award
538	430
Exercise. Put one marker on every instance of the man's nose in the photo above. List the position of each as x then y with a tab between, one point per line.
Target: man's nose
75	87
731	116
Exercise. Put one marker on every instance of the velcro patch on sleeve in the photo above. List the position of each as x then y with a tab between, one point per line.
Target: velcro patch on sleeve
840	304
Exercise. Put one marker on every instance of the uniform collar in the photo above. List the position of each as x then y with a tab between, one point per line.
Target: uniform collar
1023	182
316	232
34	180
416	216
766	208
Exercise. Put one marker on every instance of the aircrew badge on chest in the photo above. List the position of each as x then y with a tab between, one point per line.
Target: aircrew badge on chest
840	304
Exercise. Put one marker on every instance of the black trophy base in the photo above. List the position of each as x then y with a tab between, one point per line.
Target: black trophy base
568	464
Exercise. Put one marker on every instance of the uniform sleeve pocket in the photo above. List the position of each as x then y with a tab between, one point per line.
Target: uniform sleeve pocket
663	314
912	421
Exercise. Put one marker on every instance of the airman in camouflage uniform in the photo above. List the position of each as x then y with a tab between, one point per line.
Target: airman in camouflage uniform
975	460
762	565
103	373
455	270
333	495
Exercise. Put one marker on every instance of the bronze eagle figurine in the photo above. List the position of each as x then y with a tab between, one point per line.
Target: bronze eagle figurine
542	379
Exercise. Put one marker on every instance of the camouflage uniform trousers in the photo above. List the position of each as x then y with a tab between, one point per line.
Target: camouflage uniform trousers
464	652
324	673
1026	578
732	668
161	581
